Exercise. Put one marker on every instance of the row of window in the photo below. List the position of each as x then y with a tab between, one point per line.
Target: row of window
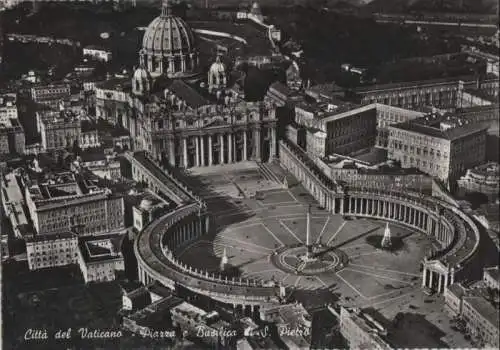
414	99
55	258
417	150
52	251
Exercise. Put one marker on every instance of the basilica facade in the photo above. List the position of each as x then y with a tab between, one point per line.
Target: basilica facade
179	114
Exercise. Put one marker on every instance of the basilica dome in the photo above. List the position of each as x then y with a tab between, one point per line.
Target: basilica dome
168	46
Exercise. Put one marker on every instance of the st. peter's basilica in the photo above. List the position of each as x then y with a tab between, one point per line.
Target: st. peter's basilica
179	113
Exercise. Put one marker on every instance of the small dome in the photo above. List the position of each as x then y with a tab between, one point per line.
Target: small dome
141	82
141	74
146	204
217	75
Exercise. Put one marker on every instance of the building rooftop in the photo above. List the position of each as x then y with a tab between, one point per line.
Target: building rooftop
441	126
493	273
95	47
8	100
13	200
117	84
189	310
484	308
371	156
153	315
482	95
159	289
491	169
160	175
332	109
92	156
327	91
53	117
418	83
51	188
187	93
101	248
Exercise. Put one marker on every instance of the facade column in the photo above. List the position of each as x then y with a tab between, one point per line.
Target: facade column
272	149
171	152
244	145
440	282
210	151
185	151
230	147
256	145
197	147
202	158
342	206
221	152
183	63
431	273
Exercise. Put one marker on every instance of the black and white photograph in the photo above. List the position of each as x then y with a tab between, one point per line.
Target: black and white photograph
249	174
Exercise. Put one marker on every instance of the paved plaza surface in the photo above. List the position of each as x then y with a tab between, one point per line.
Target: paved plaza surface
278	220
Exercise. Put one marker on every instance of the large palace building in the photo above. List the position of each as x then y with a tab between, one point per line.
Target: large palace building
177	113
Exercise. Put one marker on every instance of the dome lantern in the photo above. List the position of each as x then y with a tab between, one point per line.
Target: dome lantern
166	8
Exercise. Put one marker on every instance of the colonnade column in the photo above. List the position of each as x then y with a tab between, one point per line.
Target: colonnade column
197	147
230	141
244	145
202	158
424	279
210	149
221	152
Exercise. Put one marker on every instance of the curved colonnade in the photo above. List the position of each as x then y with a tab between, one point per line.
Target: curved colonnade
154	248
455	232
